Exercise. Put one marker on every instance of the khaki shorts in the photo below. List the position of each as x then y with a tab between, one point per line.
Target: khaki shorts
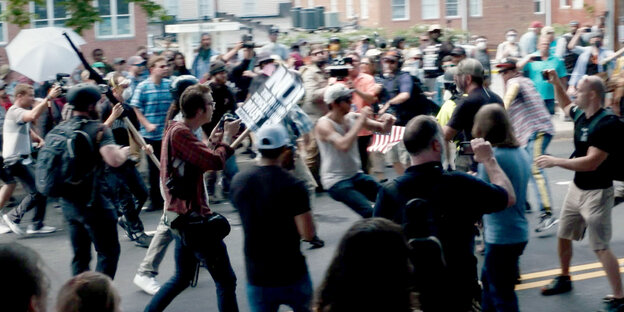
377	161
587	210
398	153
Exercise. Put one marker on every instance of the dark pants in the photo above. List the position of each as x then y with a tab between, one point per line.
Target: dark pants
95	224
499	274
154	177
132	194
297	296
550	105
25	175
230	169
218	262
363	142
358	192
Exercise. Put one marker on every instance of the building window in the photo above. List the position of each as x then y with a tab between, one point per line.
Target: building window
249	7
334	5
400	10
117	19
577	4
349	8
206	8
564	4
48	13
430	9
452	8
364	9
476	8
171	6
538	6
3	25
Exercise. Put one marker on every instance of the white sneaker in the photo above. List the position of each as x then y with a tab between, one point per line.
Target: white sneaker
147	283
4	229
12	225
42	230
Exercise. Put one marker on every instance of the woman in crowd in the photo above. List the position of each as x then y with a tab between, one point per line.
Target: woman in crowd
506	232
179	65
88	292
370	270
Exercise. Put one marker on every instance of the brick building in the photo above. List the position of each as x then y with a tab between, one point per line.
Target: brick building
122	30
490	18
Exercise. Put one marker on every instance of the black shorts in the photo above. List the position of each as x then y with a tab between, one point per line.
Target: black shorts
5	176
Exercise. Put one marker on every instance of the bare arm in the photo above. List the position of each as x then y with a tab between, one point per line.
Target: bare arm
575	39
325	132
449	133
115	113
560	92
589	162
40	107
400	98
148	125
485	155
305	226
114	155
227	56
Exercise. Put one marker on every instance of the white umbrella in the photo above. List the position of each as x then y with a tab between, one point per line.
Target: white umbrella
41	53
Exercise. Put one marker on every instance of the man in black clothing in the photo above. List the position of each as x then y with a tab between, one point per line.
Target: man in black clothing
275	217
454	216
469	80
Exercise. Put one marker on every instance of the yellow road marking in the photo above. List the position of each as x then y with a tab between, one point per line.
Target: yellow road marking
553	272
578	277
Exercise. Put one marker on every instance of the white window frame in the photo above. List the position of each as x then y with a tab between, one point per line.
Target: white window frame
206	5
542	3
407	8
5	26
49	18
564	4
172	7
577	4
429	3
349	8
446	3
334	5
364	14
472	12
249	7
113	15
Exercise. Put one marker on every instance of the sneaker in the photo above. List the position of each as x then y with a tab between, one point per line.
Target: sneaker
124	225
44	229
618	200
316	242
143	240
147	283
546	222
4	229
558	285
613	304
12	225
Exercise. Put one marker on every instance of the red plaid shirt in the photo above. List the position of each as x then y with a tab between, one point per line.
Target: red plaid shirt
198	158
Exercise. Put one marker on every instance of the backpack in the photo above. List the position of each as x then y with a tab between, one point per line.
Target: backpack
418	103
66	160
614	161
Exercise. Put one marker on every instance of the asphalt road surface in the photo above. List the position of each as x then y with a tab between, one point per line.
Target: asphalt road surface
538	264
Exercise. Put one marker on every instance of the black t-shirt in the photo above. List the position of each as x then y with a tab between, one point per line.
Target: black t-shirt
601	137
462	200
119	129
268	198
224	103
467	107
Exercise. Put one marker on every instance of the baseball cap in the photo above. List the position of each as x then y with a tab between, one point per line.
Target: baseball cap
273	31
506	64
450	74
217	67
393	55
272	137
574	23
136	60
4	70
470	67
537	24
547	29
335	91
264	57
434	27
458	51
118	60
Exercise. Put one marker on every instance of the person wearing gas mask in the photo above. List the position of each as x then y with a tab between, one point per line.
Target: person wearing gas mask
589	62
482	56
508	48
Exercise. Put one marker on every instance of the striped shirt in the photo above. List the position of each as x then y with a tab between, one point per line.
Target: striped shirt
527	111
153	101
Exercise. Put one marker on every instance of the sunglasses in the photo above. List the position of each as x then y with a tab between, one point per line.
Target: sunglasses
389	61
164	66
448	66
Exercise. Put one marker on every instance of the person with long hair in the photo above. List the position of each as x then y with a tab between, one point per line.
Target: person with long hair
370	270
179	65
506	232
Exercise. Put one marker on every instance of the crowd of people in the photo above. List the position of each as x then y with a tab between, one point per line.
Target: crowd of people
457	135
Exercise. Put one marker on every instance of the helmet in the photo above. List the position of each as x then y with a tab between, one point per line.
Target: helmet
82	95
180	84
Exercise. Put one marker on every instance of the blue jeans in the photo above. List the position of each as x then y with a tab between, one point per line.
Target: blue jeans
358	193
499	274
536	146
218	262
25	175
550	106
268	299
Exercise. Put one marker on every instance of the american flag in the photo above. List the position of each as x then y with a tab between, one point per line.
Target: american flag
384	142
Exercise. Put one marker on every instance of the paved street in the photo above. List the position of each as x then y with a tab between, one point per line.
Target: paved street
333	219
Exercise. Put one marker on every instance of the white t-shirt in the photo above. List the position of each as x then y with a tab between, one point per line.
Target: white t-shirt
16	143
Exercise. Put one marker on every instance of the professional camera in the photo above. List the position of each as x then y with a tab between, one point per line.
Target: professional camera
339	68
63	81
248	41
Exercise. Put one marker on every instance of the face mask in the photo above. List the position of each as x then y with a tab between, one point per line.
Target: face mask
511	39
481	45
598	44
268	69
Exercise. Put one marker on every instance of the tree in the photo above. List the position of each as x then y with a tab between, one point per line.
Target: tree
81	13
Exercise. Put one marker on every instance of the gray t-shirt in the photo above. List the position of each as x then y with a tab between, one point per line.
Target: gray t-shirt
16	137
336	165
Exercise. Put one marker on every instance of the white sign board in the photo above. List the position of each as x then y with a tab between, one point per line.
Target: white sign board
271	102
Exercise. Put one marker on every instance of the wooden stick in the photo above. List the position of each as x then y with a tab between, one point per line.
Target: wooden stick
240	139
139	139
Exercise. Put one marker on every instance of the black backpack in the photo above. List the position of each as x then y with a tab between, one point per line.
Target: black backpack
66	160
418	103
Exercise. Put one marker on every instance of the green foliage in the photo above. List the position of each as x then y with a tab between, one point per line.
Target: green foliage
82	14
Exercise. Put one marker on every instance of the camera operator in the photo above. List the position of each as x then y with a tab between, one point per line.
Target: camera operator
242	74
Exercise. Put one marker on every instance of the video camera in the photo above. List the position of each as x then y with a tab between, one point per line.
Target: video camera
63	81
339	68
248	41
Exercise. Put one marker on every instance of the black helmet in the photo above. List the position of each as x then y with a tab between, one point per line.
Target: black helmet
83	95
180	84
